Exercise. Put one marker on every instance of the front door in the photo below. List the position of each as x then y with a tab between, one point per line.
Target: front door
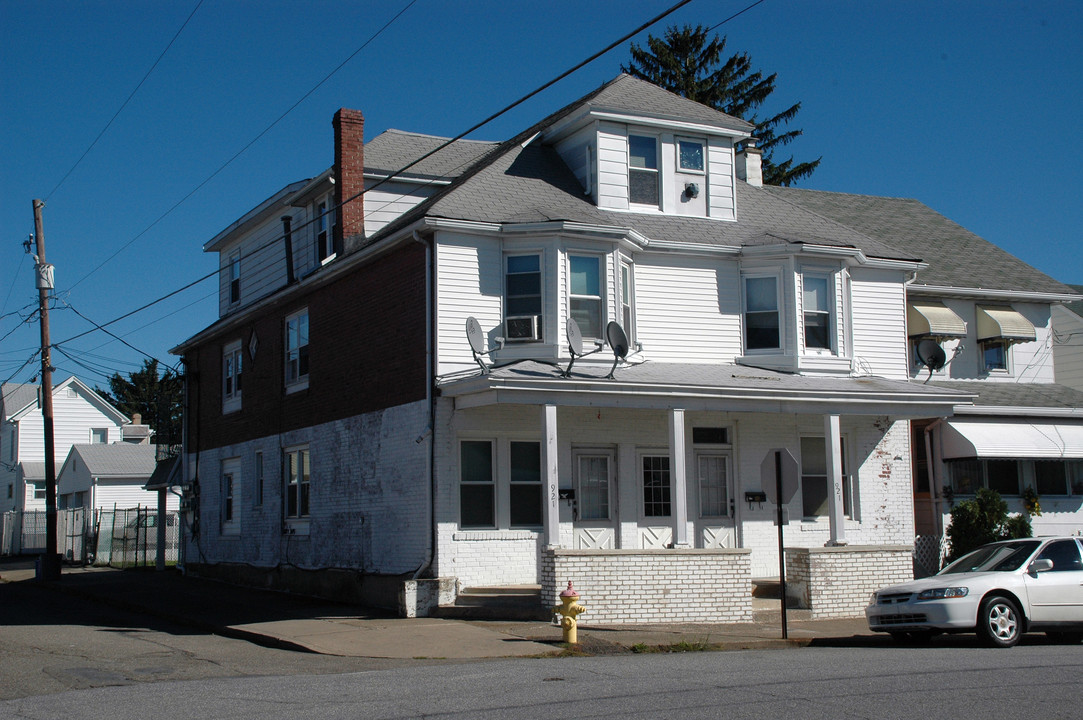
717	506
594	524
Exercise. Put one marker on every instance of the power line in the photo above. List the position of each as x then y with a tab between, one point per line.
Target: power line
240	152
731	17
110	334
125	103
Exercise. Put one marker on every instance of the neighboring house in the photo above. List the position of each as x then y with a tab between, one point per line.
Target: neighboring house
107	477
994	318
1068	342
80	416
339	419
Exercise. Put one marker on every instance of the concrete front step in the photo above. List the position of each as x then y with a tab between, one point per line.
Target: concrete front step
508	602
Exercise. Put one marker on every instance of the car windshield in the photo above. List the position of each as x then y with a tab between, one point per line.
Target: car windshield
1001	557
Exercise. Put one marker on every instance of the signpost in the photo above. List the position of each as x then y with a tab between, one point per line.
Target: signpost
778	478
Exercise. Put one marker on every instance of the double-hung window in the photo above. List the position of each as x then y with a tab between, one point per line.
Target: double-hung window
643	178
324	224
234	278
585	294
762	322
297	480
477	489
523	297
627	308
231	377
525	494
817	312
297	350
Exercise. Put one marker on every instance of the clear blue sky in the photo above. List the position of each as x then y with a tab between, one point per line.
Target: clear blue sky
971	107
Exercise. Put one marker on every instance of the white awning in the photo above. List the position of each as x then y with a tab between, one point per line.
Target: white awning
993	439
931	317
1003	323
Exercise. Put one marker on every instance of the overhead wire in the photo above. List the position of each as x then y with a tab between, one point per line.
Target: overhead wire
126	101
252	142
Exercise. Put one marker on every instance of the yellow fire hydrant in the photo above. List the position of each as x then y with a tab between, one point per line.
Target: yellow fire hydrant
568	610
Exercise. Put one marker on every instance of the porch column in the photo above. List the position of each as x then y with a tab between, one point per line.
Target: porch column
678	474
550	481
836	511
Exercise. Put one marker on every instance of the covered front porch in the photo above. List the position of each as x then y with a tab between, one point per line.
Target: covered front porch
648	485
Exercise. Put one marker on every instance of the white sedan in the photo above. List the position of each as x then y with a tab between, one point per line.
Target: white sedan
999	591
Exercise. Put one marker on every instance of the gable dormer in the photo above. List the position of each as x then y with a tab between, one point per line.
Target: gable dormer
636	147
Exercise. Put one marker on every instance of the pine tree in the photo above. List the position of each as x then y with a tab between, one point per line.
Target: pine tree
684	62
157	397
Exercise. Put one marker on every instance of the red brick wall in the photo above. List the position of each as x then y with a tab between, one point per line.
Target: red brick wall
349	178
366	352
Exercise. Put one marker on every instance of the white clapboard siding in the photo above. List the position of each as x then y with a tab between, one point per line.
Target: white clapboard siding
391	200
263	261
1068	348
720	203
879	323
574	151
73	418
688	309
612	166
469	282
123	494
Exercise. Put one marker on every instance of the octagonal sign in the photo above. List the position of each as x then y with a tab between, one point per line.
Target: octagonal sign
790	471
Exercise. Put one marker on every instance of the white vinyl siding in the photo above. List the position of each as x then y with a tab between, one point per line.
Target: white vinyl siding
469	282
580	153
1068	347
688	309
720	187
612	166
879	323
392	199
262	262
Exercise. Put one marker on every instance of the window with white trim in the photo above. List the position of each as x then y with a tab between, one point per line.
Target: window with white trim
525	491
323	216
657	486
816	307
296	359
297	481
995	355
227	500
477	486
627	305
99	436
235	277
762	317
690	155
231	376
586	299
593	480
523	297
815	480
967	476
257	496
643	176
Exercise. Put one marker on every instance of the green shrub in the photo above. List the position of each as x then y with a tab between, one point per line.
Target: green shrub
983	520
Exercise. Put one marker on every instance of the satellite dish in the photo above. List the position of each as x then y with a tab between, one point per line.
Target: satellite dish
618	340
575	337
474	335
931	354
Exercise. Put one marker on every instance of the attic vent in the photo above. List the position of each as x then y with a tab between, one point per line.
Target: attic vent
71	392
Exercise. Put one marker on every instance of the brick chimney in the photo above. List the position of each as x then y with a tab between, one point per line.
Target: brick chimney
349	230
750	164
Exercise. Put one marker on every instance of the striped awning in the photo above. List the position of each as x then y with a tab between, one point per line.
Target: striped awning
1003	323
933	319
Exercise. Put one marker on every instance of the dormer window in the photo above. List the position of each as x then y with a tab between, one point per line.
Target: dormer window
643	180
235	278
324	223
762	322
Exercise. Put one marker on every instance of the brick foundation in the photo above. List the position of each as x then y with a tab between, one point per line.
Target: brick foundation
837	581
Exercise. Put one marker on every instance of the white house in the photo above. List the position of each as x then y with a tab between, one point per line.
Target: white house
1068	342
105	477
80	416
396	389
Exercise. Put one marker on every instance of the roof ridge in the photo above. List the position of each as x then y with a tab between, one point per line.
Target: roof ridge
846	194
411	133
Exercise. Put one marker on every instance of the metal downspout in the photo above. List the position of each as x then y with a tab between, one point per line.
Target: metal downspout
427	436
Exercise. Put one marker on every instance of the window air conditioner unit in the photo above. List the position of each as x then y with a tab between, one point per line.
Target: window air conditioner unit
523	327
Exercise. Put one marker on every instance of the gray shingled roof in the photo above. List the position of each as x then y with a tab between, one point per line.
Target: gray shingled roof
118	459
1017	395
392	150
1077	306
33	470
627	94
957	257
15	396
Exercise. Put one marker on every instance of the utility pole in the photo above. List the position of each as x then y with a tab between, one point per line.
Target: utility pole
49	568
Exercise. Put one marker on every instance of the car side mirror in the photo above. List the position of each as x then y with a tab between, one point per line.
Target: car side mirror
1041	565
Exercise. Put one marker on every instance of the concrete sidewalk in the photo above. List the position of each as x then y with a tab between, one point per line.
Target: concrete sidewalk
313	625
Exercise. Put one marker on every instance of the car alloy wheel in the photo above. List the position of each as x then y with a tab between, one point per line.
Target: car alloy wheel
999	622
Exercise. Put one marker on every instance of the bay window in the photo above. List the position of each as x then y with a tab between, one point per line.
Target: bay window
762	322
585	299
